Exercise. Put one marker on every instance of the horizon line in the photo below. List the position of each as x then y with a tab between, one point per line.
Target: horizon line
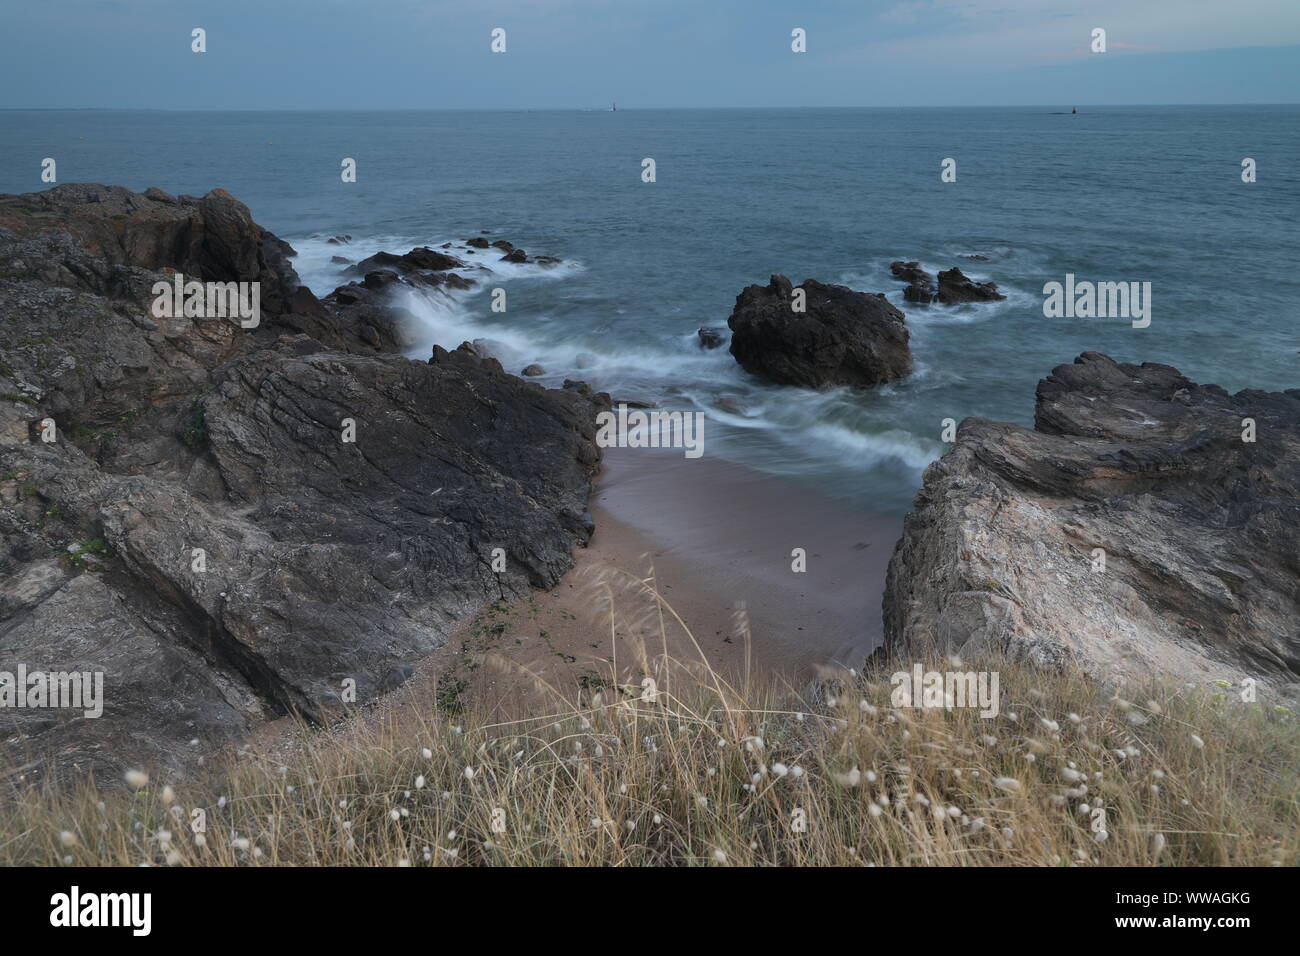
598	109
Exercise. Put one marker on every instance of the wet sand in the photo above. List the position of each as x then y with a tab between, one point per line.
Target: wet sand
715	540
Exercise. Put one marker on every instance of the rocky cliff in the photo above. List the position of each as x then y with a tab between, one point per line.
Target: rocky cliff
236	523
1146	525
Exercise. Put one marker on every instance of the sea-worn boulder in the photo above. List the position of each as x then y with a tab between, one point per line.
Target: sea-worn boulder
1145	526
921	287
228	523
417	260
711	338
956	287
953	287
842	337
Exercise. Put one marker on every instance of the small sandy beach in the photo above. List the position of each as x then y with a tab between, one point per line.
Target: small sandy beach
716	539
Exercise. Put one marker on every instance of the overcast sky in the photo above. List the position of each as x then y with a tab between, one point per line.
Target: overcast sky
422	54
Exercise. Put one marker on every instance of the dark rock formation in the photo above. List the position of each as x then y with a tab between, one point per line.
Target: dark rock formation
711	338
920	284
533	370
842	338
952	288
236	523
417	260
955	287
1198	529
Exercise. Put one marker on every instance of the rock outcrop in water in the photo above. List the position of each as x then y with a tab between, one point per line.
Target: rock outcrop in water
1132	530
953	287
920	284
236	523
842	337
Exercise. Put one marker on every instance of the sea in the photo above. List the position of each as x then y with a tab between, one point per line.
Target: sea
1107	194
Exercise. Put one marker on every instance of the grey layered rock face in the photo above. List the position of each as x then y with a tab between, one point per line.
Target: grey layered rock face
201	530
1199	531
842	337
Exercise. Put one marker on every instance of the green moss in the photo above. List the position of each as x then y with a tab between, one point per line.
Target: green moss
195	432
15	397
80	551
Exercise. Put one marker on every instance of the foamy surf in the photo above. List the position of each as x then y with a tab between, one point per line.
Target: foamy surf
847	435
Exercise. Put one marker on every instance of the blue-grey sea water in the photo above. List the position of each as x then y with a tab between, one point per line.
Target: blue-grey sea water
1151	194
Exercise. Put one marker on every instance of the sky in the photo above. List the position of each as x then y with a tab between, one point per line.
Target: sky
566	54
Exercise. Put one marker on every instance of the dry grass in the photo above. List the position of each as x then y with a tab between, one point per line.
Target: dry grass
700	771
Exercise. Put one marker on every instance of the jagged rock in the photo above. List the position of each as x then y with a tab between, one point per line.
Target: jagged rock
1198	528
478	242
952	288
921	287
515	255
955	287
711	338
419	259
843	337
233	522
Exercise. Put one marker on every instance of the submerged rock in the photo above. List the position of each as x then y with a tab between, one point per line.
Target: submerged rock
842	338
711	338
1132	531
